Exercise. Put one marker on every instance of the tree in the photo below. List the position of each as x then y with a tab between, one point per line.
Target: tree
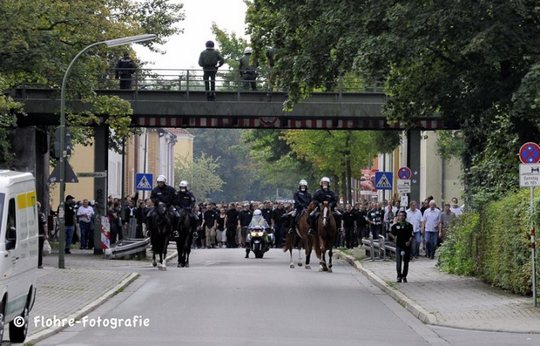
40	37
473	63
201	175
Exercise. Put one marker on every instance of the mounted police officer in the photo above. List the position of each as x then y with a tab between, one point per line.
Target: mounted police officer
162	193
302	198
323	194
185	199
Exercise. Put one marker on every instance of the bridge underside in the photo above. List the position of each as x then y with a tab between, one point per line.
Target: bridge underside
333	111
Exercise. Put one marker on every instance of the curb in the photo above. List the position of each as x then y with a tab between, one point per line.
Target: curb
415	309
45	333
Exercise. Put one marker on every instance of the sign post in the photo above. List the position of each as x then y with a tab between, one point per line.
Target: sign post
404	185
529	176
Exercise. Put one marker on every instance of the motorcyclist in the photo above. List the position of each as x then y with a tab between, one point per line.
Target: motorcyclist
185	199
323	194
302	198
162	193
257	221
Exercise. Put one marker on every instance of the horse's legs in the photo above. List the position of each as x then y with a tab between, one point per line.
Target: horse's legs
307	249
330	252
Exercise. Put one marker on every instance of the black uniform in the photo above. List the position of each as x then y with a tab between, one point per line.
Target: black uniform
403	233
267	215
232	222
165	195
301	200
248	72
361	224
348	223
322	195
375	219
125	68
184	200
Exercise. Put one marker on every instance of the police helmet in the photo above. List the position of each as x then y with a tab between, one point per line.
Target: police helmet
161	179
257	212
303	182
183	183
325	180
209	44
247	50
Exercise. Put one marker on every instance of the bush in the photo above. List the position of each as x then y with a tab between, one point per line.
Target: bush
493	243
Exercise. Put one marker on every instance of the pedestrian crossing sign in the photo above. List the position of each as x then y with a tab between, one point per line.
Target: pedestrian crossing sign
383	180
143	181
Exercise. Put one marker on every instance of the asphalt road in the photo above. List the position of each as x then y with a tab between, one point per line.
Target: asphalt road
224	299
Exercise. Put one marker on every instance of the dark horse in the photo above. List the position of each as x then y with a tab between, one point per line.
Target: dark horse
185	237
300	235
160	225
326	229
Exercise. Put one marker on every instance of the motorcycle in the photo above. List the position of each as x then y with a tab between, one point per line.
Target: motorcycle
259	241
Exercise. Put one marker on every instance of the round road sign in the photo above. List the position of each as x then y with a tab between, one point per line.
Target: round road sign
404	173
529	153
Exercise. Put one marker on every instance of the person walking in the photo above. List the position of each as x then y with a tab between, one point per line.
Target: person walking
210	60
414	217
402	232
431	224
125	68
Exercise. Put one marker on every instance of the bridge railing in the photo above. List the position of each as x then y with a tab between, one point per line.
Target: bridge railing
230	81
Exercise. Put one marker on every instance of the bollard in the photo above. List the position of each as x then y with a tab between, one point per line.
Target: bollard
372	252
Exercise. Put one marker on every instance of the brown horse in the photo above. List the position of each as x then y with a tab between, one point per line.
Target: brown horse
301	236
326	228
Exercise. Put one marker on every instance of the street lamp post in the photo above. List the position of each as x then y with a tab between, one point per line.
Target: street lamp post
63	157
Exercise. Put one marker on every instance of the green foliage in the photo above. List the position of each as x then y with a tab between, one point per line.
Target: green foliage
40	38
473	63
494	243
9	110
457	254
201	173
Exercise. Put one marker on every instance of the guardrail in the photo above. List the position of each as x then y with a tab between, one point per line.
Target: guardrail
187	80
381	247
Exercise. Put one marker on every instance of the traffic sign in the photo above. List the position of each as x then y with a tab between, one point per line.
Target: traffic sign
404	201
383	180
404	173
404	185
529	174
70	176
143	181
529	153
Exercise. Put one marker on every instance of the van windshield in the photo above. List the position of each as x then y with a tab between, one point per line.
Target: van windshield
2	199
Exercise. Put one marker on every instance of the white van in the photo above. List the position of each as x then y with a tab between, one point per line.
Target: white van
18	251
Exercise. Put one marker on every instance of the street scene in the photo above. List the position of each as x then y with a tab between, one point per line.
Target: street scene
273	173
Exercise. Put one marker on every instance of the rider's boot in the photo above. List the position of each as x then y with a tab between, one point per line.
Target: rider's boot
247	252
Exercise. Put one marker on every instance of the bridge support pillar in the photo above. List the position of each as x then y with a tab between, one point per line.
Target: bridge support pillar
30	147
413	162
101	162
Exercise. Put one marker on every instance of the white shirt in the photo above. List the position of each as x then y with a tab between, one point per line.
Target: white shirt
85	214
456	210
432	219
414	218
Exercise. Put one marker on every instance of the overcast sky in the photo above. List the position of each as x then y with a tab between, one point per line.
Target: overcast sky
182	51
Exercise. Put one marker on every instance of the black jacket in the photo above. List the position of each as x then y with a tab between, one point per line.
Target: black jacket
184	199
165	195
321	195
125	67
301	199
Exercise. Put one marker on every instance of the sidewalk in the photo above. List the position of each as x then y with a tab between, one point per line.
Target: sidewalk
71	293
448	300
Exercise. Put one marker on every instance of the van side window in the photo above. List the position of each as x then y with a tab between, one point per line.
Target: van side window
11	221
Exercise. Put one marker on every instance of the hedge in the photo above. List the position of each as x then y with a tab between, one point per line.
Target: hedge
493	243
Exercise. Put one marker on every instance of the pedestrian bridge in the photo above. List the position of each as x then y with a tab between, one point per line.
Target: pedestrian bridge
176	98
